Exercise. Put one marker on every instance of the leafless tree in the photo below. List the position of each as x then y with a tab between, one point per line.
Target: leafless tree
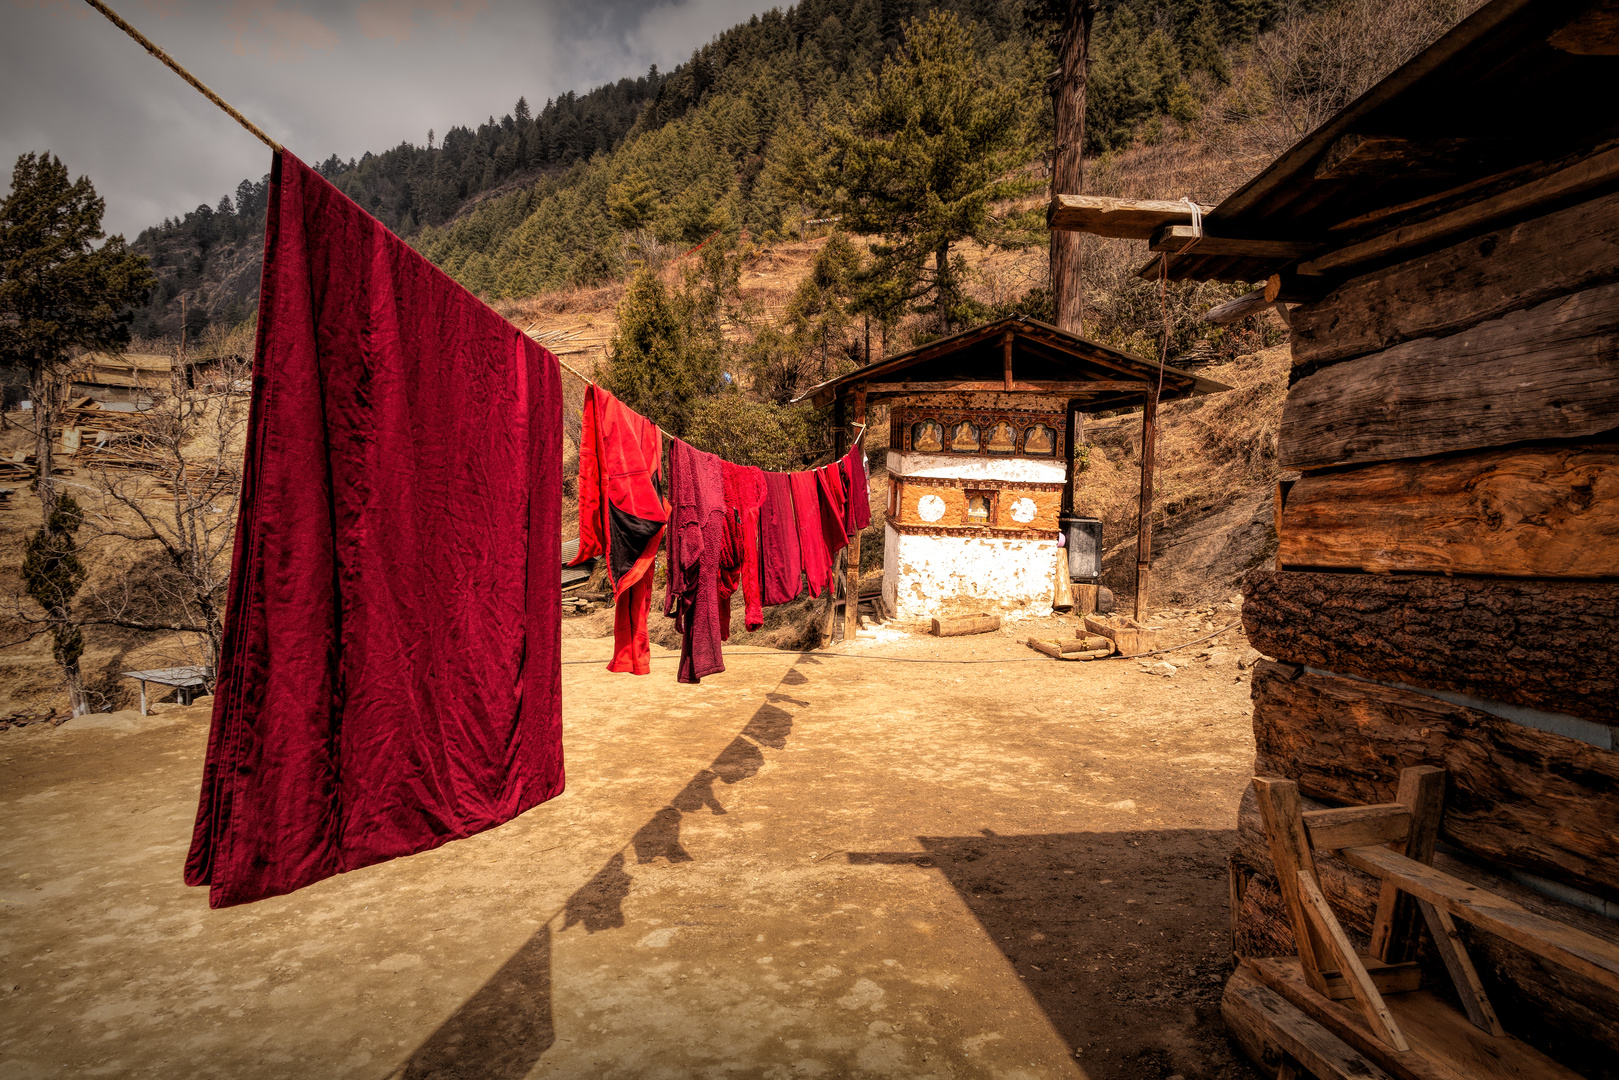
171	487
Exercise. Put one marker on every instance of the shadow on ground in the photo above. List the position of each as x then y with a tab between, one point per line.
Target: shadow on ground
1119	937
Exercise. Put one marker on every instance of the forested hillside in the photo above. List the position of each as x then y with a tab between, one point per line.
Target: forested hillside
589	184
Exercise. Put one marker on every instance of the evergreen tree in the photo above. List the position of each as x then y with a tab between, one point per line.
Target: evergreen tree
53	575
665	355
923	155
59	295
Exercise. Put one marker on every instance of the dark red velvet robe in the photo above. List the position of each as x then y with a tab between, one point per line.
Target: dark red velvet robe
390	675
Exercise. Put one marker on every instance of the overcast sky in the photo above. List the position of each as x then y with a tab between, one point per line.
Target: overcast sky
322	77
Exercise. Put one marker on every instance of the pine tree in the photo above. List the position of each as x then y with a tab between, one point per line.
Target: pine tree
59	296
923	155
663	357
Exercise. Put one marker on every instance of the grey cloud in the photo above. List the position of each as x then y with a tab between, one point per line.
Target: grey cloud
308	74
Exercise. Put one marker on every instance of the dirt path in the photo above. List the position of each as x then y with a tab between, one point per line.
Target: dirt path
811	865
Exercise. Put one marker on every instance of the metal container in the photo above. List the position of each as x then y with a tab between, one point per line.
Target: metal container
1083	538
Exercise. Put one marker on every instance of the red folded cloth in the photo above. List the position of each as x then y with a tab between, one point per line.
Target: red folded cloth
389	678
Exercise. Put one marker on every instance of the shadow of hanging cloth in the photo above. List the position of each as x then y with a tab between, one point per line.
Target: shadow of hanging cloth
599	902
770	727
660	837
501	1031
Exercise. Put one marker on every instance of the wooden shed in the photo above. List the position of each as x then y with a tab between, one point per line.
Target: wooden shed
1447	591
981	426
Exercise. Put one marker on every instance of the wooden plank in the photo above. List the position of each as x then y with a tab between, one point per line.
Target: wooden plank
1453	951
1577	179
1594	32
1531	512
1483	277
1319	912
1546	372
1176	238
1259	1016
1558	1012
1389	157
1018	386
1122	219
1544	644
1251	303
1357	826
1445	1045
970	624
1398	922
1290	857
1589	956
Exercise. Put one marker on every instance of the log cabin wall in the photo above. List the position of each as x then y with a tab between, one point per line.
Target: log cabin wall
1448	592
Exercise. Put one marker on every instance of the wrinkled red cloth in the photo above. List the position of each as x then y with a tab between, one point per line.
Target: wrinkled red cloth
834	490
389	678
812	549
859	489
780	567
697	536
744	499
621	515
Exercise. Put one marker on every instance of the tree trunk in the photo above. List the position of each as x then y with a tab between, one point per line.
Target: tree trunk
946	286
1067	162
42	390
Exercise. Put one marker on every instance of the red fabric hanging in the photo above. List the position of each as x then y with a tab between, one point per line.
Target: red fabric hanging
698	536
812	546
859	488
390	674
621	515
744	498
781	566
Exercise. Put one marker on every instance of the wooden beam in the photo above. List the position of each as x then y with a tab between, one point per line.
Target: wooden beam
1376	1011
1006	359
1543	644
1519	797
1390	157
1357	826
1257	1015
851	590
1397	922
1453	951
1232	310
1149	453
1291	858
1547	372
1041	386
1481	278
1175	238
1582	953
1572	182
1594	32
1122	219
1536	512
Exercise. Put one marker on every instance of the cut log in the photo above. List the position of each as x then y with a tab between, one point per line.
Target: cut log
1260	1018
1537	512
1122	219
1128	636
1545	644
1547	372
1483	277
969	624
1232	310
1554	1010
1583	176
1177	238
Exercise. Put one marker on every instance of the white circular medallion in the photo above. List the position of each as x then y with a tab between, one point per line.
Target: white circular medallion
1023	511
930	508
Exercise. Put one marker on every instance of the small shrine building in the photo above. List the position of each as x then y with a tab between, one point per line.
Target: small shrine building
979	462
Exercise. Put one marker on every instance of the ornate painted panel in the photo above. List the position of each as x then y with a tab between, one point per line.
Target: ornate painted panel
926	429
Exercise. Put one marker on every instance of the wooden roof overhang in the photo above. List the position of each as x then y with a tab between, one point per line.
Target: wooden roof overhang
1042	360
1500	120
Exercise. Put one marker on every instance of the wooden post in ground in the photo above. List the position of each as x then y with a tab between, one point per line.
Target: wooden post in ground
1149	448
851	588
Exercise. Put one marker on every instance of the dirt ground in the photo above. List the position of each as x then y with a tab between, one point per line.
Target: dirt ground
814	864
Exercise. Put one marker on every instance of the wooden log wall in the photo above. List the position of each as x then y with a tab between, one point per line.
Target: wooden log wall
1456	529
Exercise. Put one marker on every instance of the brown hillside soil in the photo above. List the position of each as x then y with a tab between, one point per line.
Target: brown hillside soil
810	865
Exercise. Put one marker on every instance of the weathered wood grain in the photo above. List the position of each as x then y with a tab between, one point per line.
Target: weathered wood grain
1546	372
1548	645
1481	278
1534	512
1123	219
1558	1012
1517	796
1263	1022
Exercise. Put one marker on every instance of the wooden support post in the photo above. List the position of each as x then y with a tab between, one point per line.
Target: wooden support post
143	697
851	588
1006	358
1290	852
1398	922
1350	969
1475	1002
1149	447
1073	427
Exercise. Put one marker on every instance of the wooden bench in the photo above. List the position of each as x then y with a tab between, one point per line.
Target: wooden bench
1337	1013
